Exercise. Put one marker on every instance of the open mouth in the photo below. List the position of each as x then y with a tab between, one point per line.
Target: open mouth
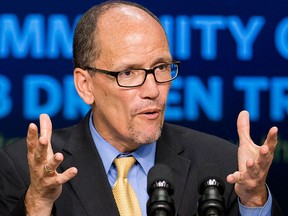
151	114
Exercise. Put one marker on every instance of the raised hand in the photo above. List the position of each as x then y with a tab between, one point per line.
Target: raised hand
46	182
253	163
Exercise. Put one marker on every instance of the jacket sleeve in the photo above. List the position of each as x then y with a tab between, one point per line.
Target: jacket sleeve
12	187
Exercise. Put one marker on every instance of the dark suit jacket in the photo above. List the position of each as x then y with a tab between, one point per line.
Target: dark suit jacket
89	193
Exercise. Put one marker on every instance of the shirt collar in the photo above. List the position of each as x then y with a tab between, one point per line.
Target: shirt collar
145	154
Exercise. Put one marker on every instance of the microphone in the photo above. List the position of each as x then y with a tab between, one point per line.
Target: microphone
211	188
160	188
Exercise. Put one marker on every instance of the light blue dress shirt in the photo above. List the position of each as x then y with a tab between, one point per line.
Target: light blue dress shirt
266	210
137	176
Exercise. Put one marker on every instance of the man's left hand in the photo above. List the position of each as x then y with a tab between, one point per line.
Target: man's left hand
253	163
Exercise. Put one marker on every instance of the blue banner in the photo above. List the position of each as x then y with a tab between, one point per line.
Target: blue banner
233	55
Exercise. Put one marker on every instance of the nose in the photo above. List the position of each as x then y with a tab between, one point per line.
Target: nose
150	88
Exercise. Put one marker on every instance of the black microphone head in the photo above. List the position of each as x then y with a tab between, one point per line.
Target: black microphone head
160	176
210	175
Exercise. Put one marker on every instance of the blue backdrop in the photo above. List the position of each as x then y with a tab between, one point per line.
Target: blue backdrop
234	56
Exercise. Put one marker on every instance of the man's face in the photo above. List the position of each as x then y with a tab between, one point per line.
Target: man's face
129	117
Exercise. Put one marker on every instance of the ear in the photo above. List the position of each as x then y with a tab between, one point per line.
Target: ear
83	85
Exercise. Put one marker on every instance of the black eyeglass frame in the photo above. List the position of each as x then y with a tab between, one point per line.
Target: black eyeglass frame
147	71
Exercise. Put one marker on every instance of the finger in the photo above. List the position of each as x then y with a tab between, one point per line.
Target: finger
45	135
40	153
32	137
243	127
265	158
45	126
252	169
65	176
53	163
236	177
271	140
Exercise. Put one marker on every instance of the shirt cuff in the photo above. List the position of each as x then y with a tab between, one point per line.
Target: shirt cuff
257	211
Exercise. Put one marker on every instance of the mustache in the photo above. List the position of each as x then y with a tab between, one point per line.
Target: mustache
148	105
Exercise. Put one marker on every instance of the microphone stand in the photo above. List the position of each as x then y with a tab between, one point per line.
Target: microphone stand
160	203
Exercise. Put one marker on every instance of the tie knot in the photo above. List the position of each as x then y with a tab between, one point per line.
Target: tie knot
124	165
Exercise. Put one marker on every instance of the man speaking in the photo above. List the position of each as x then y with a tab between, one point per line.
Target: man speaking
123	70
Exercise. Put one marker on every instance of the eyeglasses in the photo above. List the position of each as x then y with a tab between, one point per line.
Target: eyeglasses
162	73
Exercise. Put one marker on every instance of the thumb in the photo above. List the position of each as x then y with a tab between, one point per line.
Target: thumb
243	127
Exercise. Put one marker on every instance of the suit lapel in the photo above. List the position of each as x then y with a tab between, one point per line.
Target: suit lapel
166	154
91	184
91	181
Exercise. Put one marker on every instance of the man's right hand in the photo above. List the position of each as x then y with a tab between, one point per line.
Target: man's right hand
46	182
